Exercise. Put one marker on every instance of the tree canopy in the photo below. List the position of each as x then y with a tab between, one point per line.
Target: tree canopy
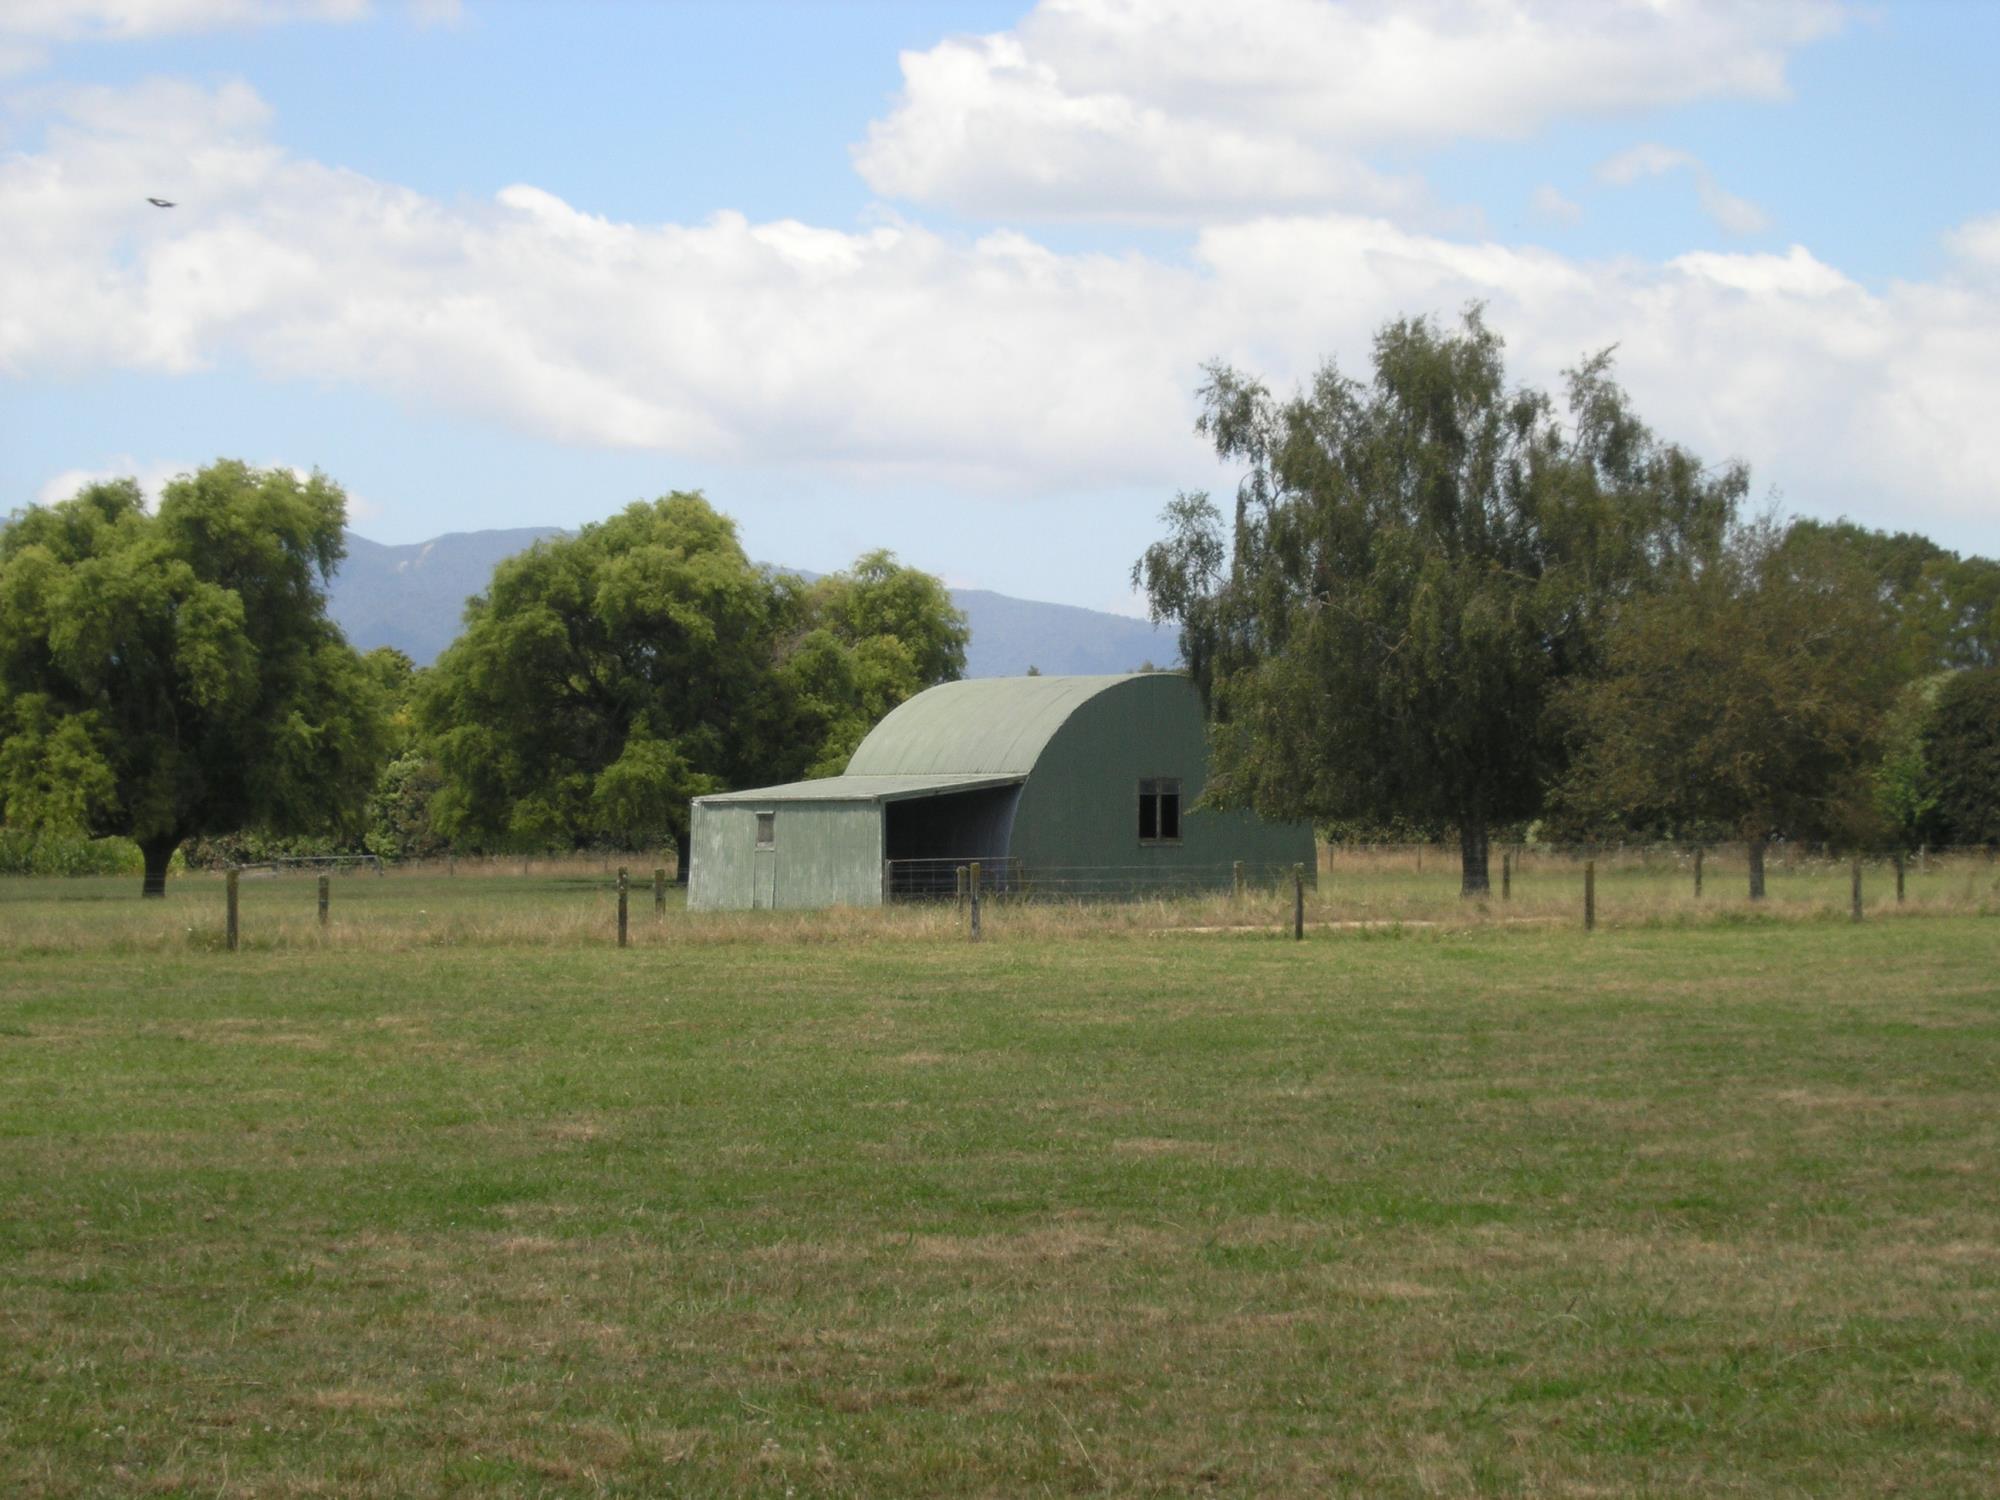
1961	751
607	678
1753	695
1414	565
859	643
174	674
1946	607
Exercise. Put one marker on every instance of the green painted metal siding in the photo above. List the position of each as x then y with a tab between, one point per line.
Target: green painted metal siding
1083	744
1080	807
991	725
822	854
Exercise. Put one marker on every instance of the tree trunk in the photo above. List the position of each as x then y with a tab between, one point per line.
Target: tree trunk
1473	880
158	852
683	847
1757	869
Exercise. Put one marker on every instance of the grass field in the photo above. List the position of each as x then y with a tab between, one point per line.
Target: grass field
458	1198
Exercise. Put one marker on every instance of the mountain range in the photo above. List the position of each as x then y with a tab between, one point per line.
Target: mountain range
411	597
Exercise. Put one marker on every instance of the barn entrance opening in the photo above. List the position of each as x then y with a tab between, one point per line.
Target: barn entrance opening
926	839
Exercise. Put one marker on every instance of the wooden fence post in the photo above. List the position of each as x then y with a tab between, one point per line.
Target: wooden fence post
622	897
325	898
1899	877
1298	903
1857	887
1506	876
230	928
1236	878
1697	872
659	890
972	890
1590	895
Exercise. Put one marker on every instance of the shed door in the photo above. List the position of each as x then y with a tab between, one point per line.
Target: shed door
764	864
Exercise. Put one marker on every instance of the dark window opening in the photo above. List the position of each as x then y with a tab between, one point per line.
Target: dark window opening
1160	810
767	830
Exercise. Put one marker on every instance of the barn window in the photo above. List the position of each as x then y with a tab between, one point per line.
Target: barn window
767	830
1160	810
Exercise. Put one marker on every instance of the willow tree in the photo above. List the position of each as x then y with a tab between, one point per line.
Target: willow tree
1414	565
606	678
601	681
857	643
164	676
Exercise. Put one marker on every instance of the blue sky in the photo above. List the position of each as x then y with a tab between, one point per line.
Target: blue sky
940	277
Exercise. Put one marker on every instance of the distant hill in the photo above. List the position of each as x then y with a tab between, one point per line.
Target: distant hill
411	597
1011	635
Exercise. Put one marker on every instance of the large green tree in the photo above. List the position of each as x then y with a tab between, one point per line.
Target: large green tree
1414	565
601	681
174	674
1946	607
858	643
605	679
1961	749
1753	696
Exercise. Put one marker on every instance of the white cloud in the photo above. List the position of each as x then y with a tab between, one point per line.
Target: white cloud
1977	242
1549	204
900	352
128	20
1732	214
1197	110
153	476
29	28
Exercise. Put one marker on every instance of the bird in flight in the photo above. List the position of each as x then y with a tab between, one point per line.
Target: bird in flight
160	202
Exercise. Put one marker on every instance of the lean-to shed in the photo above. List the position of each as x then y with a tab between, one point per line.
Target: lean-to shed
1056	785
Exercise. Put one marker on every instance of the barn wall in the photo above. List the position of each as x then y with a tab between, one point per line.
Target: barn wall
825	854
1080	807
828	854
720	839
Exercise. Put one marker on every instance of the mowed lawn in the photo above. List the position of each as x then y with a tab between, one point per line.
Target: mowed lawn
1684	1210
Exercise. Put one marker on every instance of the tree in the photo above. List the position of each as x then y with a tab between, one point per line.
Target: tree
602	681
1905	798
165	676
858	643
1414	566
605	679
396	677
1754	695
1947	607
1962	758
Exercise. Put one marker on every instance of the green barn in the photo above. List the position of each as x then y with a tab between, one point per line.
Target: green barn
1056	785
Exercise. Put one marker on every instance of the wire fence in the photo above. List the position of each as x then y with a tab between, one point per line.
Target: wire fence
1781	856
589	899
1002	877
1400	866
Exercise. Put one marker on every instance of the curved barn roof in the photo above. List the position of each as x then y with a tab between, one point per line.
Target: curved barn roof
987	726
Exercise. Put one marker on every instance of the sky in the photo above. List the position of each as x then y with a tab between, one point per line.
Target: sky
942	277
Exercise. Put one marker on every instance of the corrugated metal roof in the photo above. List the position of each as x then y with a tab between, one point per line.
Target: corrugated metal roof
862	789
995	726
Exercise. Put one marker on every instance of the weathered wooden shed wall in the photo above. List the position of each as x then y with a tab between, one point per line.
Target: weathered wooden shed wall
821	854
